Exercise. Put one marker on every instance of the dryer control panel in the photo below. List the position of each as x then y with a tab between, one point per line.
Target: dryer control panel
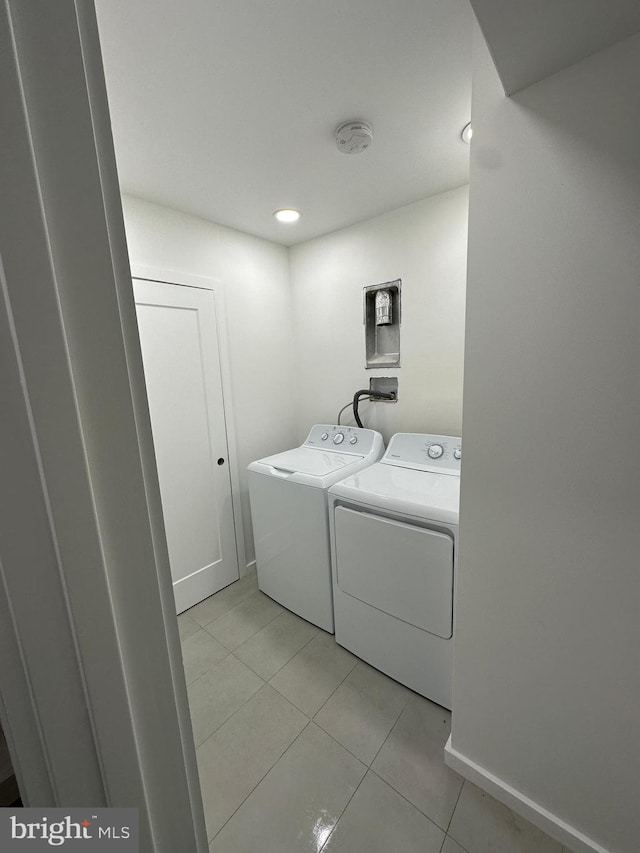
437	453
345	439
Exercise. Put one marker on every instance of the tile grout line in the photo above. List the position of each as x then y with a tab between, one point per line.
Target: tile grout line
302	648
282	755
341	745
237	604
209	668
285	663
229	652
404	797
364	776
464	849
264	683
297	707
206	672
346	805
413	805
395	723
226	613
244	597
357	661
390	784
464	782
386	782
312	718
368	766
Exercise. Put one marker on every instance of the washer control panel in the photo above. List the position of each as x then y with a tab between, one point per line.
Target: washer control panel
346	439
437	453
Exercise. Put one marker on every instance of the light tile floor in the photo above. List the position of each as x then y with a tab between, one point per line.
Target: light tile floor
303	747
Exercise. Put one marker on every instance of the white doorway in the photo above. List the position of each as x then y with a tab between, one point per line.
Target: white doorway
179	341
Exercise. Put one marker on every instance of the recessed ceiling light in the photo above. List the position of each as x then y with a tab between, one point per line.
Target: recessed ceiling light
466	134
287	214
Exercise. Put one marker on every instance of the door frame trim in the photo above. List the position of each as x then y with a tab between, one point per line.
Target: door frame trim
162	275
93	697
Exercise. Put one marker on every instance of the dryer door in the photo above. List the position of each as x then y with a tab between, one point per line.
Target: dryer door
399	568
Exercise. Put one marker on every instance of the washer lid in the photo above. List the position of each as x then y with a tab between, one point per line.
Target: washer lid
307	460
404	490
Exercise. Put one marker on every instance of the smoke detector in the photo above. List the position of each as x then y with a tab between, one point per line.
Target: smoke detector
354	137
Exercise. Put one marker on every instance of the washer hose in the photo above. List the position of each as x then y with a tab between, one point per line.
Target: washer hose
372	395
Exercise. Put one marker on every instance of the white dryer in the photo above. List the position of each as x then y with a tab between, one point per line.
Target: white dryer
394	529
288	494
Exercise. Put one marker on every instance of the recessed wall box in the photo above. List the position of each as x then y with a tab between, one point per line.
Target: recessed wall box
384	385
382	324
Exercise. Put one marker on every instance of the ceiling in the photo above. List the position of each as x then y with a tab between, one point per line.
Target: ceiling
529	41
226	109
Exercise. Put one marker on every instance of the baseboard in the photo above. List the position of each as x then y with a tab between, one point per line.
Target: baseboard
519	803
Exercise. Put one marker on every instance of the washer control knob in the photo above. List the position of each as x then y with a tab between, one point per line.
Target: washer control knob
324	436
353	439
457	453
435	451
338	438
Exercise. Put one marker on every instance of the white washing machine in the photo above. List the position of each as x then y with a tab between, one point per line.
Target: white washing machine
288	494
394	529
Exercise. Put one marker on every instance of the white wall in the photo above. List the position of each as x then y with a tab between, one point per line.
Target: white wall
255	278
546	675
425	245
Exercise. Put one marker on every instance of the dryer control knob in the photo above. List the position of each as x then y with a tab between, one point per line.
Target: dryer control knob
338	438
457	453
353	439
435	451
324	436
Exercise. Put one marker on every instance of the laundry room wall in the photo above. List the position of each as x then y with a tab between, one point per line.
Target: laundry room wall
255	277
546	686
425	245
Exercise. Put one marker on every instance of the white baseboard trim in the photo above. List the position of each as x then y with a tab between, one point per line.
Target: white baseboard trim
519	803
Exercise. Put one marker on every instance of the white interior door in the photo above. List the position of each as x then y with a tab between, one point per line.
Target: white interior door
182	370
